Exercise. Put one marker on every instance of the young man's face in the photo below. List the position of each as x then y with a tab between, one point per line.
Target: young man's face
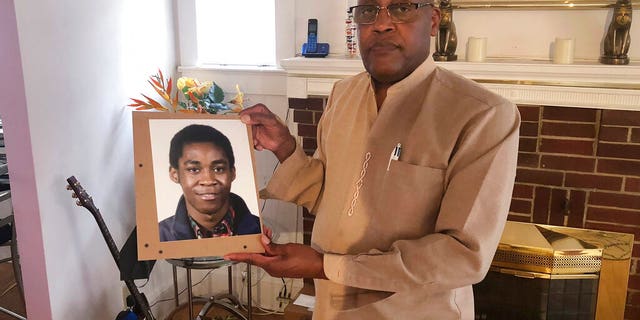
205	177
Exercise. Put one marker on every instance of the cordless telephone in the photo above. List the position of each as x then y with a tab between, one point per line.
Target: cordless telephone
313	49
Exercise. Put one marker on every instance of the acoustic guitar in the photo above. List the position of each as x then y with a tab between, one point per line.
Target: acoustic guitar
141	305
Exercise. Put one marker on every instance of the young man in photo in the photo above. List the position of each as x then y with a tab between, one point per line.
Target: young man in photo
202	162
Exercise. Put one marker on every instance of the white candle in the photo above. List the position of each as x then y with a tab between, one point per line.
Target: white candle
563	51
476	49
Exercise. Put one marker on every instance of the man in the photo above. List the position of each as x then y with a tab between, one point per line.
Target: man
411	182
202	162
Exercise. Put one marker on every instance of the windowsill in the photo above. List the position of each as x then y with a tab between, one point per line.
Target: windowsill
233	68
253	80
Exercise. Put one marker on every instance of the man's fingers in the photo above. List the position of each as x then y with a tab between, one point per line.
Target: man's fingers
258	118
247	115
272	249
275	250
267	231
266	240
241	257
255	259
256	108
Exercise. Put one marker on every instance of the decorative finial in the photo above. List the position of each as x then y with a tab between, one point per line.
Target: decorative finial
618	39
446	38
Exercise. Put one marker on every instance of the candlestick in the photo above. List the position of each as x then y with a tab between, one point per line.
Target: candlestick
563	51
476	49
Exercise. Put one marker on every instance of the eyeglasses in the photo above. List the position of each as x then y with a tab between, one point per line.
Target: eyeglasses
398	12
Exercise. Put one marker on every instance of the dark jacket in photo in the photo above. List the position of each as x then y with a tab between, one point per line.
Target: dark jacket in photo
178	226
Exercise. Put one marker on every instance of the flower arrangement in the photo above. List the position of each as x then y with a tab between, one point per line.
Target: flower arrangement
198	97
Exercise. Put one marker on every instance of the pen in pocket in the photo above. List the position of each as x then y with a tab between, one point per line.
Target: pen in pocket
395	154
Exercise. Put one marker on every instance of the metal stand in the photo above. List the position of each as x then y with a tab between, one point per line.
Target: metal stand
225	301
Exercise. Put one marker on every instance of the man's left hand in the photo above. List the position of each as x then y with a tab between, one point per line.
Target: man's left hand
289	260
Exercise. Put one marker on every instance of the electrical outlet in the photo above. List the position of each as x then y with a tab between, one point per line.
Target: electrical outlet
283	302
283	299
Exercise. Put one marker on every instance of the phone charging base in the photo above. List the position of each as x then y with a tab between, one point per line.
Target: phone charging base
323	51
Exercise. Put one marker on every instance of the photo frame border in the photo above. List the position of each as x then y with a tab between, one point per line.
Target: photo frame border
149	245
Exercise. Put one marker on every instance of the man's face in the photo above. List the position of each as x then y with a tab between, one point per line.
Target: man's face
390	52
205	177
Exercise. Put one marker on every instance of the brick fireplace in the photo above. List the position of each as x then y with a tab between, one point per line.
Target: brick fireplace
577	166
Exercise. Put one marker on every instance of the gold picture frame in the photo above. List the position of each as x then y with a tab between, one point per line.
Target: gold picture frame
533	4
156	193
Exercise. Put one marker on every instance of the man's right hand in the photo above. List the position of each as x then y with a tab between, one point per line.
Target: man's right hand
269	132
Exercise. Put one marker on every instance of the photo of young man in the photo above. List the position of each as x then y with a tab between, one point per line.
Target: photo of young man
203	164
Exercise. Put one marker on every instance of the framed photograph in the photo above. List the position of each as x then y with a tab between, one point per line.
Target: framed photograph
195	183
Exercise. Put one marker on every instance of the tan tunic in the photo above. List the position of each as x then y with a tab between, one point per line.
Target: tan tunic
405	239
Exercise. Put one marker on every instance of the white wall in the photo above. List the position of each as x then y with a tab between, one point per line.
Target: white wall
529	34
81	61
510	33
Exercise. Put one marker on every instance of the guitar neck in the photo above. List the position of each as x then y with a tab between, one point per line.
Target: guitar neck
107	236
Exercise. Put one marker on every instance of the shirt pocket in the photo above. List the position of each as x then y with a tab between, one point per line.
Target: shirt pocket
409	199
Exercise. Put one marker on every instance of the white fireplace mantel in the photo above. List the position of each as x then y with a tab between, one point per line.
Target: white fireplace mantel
587	84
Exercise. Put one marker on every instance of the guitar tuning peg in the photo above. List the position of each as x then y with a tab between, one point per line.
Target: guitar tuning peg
75	196
78	203
68	187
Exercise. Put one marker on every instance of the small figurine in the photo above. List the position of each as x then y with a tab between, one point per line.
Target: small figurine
446	38
617	40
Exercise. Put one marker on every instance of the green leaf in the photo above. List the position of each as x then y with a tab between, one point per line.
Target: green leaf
216	93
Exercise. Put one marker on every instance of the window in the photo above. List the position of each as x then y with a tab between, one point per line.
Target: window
241	33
